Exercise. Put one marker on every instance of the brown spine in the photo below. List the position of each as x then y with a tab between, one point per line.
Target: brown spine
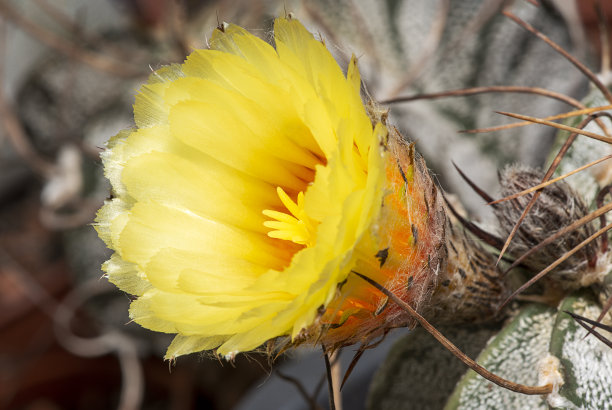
470	287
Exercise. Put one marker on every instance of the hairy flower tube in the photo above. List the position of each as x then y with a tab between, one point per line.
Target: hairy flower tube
254	182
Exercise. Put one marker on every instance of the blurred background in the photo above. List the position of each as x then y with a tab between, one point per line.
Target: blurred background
69	71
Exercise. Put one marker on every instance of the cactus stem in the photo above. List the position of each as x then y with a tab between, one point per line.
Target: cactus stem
491	89
507	384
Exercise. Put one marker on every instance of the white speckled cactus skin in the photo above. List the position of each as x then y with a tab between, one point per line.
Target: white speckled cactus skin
518	350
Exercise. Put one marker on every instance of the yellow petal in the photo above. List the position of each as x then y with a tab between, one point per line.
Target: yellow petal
126	276
152	227
150	108
236	40
207	188
229	137
190	316
289	94
299	49
179	271
212	130
280	133
182	345
127	145
105	217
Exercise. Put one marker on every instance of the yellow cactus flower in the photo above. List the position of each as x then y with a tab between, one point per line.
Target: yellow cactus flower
253	184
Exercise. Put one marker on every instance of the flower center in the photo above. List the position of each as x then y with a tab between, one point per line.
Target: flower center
295	226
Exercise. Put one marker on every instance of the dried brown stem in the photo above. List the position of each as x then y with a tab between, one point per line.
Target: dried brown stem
68	48
552	117
559	126
60	17
78	32
506	384
549	182
298	384
556	263
584	69
358	355
604	38
12	125
61	313
496	128
21	142
510	89
84	213
491	89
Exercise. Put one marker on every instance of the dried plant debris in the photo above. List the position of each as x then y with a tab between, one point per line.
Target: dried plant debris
557	207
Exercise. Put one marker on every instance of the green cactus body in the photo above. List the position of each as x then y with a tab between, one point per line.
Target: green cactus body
519	351
586	362
514	353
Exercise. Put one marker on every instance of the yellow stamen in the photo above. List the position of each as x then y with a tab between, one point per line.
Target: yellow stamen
297	227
